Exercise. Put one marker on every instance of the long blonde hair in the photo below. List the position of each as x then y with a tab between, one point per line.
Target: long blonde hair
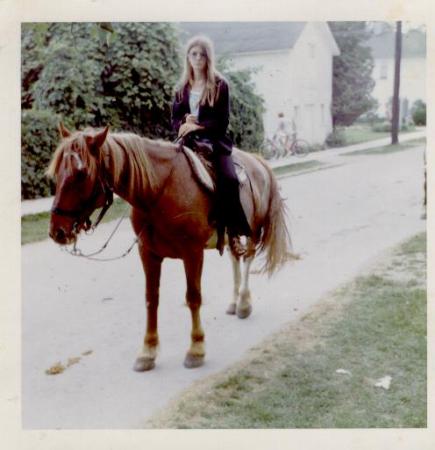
210	92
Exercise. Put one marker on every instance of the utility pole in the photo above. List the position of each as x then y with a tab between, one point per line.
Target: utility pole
396	99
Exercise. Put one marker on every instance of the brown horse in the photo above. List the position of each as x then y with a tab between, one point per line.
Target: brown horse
170	211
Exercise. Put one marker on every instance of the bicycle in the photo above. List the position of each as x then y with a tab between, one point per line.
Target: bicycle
282	145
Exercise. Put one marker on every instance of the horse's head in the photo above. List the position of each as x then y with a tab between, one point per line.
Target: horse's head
80	185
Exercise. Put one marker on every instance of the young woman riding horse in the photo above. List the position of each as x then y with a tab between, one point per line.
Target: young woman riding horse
170	208
200	112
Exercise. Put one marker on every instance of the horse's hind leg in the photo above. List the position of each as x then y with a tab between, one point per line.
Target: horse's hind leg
237	278
244	306
152	265
193	268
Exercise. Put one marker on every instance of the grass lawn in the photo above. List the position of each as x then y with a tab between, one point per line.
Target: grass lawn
388	148
372	328
355	134
297	167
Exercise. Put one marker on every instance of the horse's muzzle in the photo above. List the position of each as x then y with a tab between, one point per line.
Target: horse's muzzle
61	237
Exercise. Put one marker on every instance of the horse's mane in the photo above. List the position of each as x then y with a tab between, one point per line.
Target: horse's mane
124	148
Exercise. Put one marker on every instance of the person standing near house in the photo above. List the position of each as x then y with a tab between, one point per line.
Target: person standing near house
200	112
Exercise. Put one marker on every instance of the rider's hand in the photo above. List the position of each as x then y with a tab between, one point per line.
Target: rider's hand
187	128
190	118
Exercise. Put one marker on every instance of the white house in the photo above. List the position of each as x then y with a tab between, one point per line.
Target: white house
293	62
412	71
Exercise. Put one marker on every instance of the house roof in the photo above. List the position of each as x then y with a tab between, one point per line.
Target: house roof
242	37
383	45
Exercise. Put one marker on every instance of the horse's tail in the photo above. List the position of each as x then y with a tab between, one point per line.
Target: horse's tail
275	239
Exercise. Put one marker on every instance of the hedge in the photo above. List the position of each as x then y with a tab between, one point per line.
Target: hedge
39	138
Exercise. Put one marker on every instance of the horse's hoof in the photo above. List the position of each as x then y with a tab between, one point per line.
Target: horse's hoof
193	361
231	309
243	313
143	364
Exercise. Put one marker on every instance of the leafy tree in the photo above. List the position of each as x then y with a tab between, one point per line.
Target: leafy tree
127	83
352	73
32	59
70	81
142	67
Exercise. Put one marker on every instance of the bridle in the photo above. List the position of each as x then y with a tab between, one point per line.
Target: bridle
82	215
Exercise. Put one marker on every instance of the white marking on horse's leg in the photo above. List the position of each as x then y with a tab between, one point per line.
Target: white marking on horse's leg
148	352
236	286
145	359
244	307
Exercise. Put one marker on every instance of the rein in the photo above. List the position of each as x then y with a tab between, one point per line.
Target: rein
77	252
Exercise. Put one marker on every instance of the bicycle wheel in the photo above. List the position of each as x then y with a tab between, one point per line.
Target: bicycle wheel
300	148
268	149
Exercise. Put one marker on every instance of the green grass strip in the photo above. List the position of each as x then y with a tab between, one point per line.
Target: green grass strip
373	327
296	167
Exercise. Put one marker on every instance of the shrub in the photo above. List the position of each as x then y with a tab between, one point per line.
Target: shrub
337	138
382	127
418	112
369	118
39	138
246	118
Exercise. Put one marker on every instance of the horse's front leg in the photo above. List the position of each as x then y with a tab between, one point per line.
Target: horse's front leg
193	268
152	265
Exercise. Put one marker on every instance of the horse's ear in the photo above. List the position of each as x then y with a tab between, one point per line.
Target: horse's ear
95	142
63	131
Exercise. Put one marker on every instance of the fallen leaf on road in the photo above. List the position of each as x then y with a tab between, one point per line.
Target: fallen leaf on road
55	369
72	361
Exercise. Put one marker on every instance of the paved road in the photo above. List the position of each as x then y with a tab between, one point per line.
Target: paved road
341	219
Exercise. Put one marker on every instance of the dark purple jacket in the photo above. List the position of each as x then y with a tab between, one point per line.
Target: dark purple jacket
214	118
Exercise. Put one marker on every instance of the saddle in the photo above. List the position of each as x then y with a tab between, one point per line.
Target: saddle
202	167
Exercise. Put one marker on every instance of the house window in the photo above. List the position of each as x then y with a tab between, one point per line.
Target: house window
383	70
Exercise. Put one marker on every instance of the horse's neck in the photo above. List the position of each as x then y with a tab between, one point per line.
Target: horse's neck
160	164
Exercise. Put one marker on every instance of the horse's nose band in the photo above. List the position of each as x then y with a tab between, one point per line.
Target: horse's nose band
89	205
